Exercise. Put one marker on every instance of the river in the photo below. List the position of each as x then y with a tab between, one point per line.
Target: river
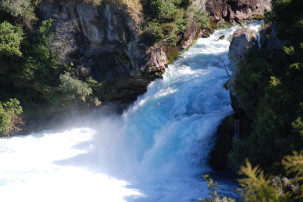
156	151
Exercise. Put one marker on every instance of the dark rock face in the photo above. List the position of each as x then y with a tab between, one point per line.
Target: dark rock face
224	140
225	133
269	38
232	10
104	43
129	91
97	32
243	40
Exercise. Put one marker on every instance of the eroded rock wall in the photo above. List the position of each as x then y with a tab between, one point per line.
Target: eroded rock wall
106	32
237	10
104	41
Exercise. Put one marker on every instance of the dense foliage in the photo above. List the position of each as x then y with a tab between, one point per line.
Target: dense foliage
30	70
23	9
258	187
10	39
10	117
166	20
270	85
271	88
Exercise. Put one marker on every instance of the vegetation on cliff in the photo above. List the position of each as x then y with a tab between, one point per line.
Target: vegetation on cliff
30	71
270	86
9	117
166	21
34	68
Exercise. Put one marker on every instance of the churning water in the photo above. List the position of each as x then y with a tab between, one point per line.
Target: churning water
156	151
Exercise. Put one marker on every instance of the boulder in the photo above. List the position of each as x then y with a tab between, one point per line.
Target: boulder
221	37
243	40
156	59
189	36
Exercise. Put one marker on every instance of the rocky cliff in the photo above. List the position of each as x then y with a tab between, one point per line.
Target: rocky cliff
243	40
103	41
237	10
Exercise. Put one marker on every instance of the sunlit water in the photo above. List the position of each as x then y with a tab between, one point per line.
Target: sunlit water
156	151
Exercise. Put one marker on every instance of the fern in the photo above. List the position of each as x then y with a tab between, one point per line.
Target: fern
293	165
257	187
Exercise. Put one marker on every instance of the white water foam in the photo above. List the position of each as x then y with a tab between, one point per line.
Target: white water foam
157	150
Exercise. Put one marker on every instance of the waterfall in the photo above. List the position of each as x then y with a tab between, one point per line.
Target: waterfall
156	151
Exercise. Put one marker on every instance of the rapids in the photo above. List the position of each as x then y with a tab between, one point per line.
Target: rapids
156	151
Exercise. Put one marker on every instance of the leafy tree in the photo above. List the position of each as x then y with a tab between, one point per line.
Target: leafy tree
201	18
160	9
293	164
22	8
40	64
298	126
271	89
10	39
15	7
258	187
288	16
10	117
73	88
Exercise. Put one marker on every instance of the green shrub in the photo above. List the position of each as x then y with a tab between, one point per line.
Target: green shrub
255	75
201	18
95	85
153	33
270	91
22	8
258	187
10	117
40	64
10	39
160	9
74	89
15	7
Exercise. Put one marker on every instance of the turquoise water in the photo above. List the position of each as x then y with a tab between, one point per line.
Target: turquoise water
156	151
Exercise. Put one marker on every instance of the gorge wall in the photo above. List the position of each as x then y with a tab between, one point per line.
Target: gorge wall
104	41
244	40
